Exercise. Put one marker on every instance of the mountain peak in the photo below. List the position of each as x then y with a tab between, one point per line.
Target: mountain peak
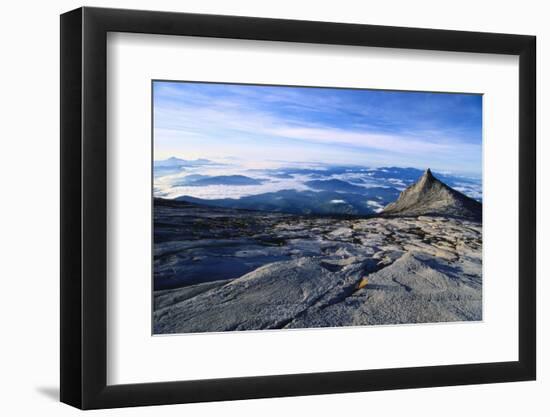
427	179
430	196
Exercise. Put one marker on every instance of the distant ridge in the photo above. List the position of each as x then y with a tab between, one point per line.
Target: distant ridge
174	162
429	196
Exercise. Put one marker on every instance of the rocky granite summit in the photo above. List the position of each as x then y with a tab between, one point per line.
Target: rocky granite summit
430	196
222	269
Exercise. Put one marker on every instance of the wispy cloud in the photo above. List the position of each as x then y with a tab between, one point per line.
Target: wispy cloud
381	127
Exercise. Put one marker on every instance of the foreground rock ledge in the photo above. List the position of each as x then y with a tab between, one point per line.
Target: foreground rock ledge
303	272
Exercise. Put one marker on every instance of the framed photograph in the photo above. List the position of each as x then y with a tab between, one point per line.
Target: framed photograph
257	208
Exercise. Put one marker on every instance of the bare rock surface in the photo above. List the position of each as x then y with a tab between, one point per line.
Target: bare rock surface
223	269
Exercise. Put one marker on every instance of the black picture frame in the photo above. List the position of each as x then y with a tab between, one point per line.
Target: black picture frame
84	207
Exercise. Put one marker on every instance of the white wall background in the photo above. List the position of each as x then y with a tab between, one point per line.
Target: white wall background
29	226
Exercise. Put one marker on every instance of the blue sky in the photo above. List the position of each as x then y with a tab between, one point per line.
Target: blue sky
273	124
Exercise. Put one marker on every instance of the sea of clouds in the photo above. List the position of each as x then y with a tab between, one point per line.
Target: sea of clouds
173	179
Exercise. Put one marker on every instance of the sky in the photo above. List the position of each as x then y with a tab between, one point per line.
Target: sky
262	126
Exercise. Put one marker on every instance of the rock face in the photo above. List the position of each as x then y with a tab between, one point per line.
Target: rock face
219	269
429	196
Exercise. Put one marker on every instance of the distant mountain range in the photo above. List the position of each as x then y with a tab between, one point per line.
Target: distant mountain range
428	196
202	180
335	185
178	162
300	202
307	189
174	165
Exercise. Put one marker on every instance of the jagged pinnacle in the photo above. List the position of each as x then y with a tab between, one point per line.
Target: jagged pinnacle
428	175
429	196
426	180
